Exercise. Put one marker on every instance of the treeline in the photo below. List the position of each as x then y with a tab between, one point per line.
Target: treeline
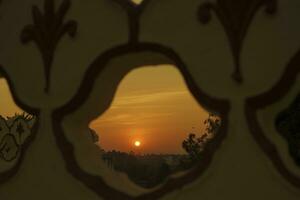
153	169
146	170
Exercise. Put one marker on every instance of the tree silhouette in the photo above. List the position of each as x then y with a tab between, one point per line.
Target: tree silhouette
288	125
195	145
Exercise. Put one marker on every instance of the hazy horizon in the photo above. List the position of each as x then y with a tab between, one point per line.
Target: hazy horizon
152	105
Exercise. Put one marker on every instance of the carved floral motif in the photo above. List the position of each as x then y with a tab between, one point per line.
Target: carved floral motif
47	30
236	17
13	134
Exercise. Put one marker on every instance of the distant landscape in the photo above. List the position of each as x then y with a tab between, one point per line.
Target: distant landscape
146	170
150	170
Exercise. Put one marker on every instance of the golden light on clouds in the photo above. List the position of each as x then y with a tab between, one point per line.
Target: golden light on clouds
152	103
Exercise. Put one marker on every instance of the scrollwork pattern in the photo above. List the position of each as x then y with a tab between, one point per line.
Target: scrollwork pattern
13	133
236	17
47	30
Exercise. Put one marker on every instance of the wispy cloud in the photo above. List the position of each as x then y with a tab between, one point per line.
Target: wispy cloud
131	119
136	108
146	99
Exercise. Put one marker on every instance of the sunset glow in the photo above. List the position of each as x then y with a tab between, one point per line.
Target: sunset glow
137	143
7	104
152	103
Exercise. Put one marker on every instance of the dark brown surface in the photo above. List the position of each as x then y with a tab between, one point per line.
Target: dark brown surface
47	30
254	104
96	183
236	17
5	176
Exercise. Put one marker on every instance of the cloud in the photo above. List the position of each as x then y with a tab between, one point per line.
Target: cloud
146	99
132	109
131	119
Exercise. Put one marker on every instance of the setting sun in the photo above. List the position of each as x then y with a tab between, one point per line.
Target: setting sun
150	116
137	143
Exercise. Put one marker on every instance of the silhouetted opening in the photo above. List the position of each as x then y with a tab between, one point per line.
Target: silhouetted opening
15	127
154	127
288	124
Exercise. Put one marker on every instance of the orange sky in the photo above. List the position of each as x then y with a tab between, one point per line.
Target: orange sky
7	105
152	105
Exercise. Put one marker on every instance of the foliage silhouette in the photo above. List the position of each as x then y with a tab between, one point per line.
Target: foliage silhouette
288	124
151	170
194	146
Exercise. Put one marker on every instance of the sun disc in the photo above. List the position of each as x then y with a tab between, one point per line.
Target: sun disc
137	143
